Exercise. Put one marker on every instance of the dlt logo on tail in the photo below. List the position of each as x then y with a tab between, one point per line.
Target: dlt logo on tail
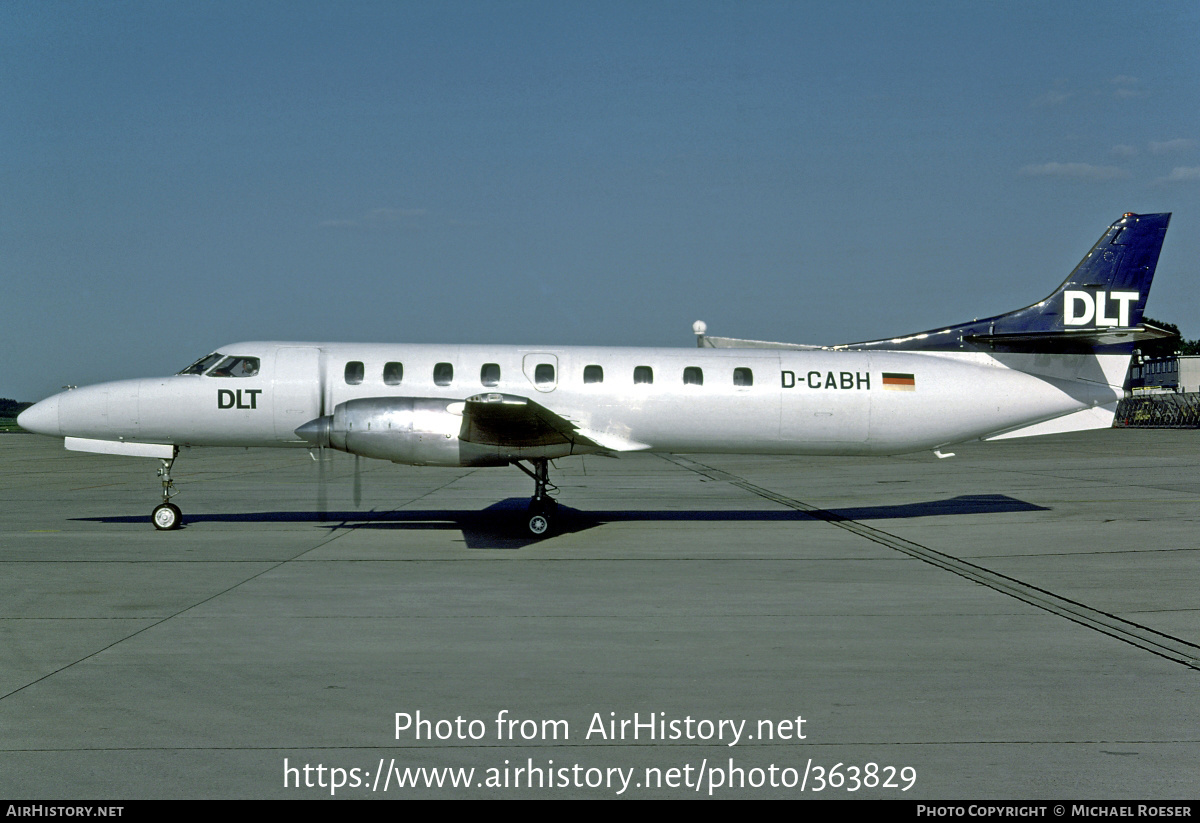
1080	308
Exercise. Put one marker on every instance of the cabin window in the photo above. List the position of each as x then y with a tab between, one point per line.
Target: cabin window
203	364
354	372
743	377
443	374
543	374
489	375
236	367
693	376
643	374
593	374
393	373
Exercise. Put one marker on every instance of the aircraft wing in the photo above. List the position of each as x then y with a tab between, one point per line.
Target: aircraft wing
496	419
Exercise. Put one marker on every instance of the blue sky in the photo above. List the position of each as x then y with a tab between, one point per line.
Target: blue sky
174	176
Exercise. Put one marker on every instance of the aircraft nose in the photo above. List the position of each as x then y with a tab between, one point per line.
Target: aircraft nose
42	417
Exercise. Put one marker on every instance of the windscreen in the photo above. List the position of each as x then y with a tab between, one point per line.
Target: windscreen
203	364
236	367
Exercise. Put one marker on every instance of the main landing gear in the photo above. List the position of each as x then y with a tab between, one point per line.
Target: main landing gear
542	515
166	515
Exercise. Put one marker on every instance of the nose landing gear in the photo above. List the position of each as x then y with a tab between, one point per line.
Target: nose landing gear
166	515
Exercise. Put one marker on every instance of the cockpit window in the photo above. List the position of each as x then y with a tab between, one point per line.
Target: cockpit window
203	364
236	367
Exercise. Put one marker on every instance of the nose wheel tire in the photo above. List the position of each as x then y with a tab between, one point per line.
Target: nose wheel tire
166	517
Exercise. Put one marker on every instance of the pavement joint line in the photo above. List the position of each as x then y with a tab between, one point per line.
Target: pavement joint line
1135	634
435	490
329	538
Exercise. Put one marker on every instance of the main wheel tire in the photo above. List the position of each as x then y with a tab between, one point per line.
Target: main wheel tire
538	523
166	517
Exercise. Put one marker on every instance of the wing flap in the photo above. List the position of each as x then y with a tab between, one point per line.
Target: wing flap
509	420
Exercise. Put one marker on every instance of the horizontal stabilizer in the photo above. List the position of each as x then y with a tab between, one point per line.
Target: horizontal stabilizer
1070	338
705	341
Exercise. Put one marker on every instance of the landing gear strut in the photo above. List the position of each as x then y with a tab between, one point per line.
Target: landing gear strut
166	515
543	509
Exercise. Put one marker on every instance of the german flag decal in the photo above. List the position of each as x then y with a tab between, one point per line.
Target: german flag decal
894	381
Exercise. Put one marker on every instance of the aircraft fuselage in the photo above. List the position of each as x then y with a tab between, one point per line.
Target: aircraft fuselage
657	399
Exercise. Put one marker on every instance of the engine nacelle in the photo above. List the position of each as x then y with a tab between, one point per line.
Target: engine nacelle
421	431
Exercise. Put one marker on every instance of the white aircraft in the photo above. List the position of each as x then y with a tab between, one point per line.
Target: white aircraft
1055	366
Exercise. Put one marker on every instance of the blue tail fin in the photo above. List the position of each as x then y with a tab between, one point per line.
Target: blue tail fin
1099	306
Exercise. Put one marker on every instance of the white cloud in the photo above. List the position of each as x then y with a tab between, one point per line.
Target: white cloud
1076	171
1056	96
1124	151
1182	174
392	215
1052	98
1166	146
1126	86
376	218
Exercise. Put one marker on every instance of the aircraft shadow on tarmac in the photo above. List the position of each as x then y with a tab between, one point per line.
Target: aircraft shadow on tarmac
501	526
